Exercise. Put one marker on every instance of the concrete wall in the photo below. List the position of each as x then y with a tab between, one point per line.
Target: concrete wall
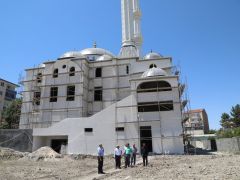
18	139
228	144
103	124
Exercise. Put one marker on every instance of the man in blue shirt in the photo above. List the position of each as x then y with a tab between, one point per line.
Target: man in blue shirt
100	151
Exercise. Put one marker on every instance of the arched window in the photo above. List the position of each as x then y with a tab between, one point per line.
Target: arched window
154	86
39	77
72	71
98	72
152	66
55	73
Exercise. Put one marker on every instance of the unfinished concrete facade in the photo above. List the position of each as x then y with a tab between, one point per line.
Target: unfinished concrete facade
89	97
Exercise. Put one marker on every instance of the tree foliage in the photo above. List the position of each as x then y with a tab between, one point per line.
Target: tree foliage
228	133
232	121
235	113
226	121
212	131
11	114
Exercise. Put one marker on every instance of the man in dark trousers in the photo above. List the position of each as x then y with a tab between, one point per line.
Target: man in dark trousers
100	151
133	156
117	155
144	153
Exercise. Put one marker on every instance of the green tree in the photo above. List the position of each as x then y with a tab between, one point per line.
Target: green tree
11	114
212	131
235	113
226	121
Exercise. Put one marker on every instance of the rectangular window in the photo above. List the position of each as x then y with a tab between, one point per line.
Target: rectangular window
53	94
155	106
70	93
88	129
98	94
118	129
0	93
2	84
98	72
37	96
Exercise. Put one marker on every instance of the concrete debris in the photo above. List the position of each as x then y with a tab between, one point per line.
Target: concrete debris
9	154
44	153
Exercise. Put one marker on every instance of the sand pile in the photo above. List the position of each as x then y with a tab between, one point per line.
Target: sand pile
44	153
7	153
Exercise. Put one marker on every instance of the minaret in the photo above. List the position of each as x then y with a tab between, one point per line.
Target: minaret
137	25
129	46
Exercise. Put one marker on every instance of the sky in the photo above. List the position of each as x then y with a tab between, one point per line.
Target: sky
202	37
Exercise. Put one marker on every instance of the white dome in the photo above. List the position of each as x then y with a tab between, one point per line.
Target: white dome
71	54
90	53
154	72
104	57
152	55
42	65
96	51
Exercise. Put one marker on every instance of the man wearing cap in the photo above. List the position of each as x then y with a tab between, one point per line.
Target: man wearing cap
117	155
100	151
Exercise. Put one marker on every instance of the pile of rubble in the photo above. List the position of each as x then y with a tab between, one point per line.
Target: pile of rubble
8	154
44	153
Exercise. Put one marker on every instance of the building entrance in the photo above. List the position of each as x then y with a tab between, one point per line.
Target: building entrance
146	137
56	144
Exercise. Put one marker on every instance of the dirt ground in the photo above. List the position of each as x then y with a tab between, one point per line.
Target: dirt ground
214	167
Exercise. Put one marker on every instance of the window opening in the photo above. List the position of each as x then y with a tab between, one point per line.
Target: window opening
98	94
154	86
39	77
72	71
127	69
155	106
70	93
53	94
55	73
119	129
37	96
152	66
98	72
88	129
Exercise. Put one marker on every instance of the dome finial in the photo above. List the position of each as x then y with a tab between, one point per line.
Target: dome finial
95	44
151	51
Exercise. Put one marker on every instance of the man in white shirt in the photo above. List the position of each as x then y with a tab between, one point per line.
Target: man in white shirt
100	151
118	155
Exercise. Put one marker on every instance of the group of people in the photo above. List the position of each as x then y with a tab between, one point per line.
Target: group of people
129	153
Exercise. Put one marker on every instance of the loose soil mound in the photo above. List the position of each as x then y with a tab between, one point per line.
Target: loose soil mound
44	153
7	154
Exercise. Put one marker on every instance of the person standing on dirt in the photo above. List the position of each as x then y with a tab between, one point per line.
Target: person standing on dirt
127	154
133	155
144	153
100	151
117	156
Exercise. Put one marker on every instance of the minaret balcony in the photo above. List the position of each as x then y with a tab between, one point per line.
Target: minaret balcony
137	13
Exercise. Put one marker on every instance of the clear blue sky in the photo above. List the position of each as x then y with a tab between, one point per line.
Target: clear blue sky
202	36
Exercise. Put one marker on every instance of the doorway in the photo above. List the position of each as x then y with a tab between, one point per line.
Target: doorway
56	144
213	145
146	137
